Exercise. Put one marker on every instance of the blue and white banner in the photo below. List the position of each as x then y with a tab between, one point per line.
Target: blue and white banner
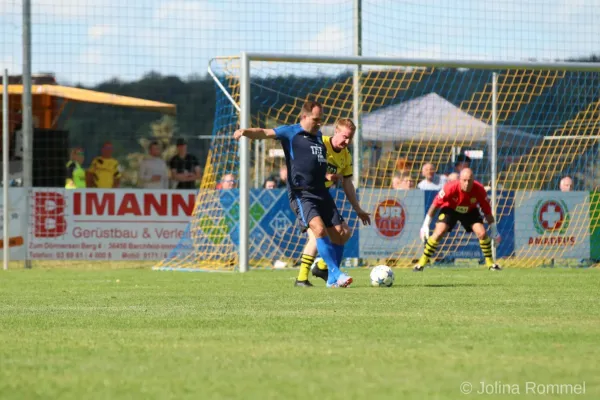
274	230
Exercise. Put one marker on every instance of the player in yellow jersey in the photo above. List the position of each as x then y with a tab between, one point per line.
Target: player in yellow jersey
339	169
104	171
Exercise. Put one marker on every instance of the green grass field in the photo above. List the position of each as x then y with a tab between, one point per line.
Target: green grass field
137	333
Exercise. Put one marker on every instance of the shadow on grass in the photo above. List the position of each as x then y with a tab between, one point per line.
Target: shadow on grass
452	285
442	285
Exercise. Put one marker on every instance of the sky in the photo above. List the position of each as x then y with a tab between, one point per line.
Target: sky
90	41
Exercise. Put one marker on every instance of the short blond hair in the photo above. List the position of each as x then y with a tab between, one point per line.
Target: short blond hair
345	123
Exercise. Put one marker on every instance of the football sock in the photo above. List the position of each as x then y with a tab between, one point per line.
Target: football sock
486	249
339	253
321	264
307	261
328	253
430	248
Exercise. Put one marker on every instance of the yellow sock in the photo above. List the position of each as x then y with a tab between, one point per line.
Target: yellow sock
486	249
307	261
321	264
428	252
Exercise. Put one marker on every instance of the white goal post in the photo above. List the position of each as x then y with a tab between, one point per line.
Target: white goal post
246	58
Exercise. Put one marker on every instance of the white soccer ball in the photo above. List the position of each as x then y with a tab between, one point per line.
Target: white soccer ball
382	275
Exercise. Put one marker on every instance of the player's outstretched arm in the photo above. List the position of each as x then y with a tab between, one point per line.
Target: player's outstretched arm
486	207
438	202
489	218
350	191
424	233
254	133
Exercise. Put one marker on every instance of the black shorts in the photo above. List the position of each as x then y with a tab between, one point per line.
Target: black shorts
308	205
450	217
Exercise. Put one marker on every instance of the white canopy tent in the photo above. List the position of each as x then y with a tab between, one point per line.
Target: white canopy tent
432	117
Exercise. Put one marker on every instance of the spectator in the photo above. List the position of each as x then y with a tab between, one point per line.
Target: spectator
154	173
402	182
452	177
403	166
283	177
228	182
185	168
462	162
104	171
566	184
270	184
75	175
432	180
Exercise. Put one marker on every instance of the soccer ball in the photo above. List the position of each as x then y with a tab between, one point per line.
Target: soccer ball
382	275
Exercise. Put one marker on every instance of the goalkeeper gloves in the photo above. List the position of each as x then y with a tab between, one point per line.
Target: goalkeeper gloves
494	233
424	234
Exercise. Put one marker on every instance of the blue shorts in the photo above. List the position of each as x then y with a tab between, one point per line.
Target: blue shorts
309	204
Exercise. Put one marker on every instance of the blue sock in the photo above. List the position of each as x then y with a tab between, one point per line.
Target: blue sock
339	253
329	254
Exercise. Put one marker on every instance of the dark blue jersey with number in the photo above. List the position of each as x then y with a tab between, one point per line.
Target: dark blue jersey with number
305	157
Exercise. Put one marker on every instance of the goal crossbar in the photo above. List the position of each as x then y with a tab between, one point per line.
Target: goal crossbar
423	62
571	137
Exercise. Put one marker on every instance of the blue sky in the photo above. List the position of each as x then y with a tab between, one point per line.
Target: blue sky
89	41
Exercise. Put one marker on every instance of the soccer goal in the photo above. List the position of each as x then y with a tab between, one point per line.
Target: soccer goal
522	127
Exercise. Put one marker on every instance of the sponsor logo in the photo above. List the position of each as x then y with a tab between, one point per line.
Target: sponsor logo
318	151
49	214
551	216
390	218
132	204
551	219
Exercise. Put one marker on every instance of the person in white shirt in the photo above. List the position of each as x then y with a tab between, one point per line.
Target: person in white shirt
432	180
153	170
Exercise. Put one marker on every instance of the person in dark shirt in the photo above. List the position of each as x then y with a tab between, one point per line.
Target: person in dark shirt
306	161
270	183
185	168
281	179
462	161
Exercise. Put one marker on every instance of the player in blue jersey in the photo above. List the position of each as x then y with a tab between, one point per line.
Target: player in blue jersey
339	172
306	160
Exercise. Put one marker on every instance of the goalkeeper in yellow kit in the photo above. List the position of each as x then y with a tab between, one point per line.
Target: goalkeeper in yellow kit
339	169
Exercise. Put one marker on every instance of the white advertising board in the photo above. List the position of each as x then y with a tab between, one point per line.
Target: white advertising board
16	223
552	224
396	217
118	224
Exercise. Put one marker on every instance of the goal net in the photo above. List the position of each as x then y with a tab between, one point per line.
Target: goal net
412	118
